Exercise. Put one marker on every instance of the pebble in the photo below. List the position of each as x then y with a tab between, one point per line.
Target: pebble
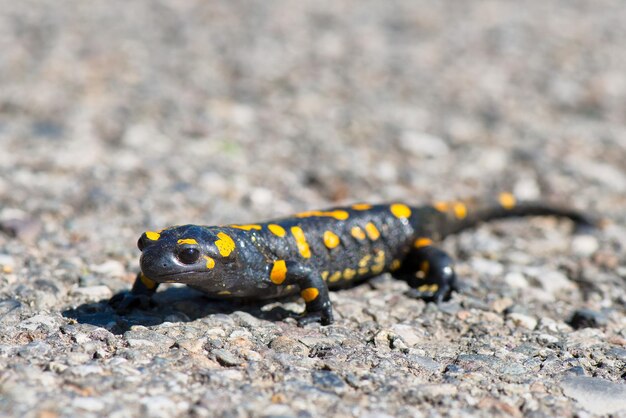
284	344
41	320
552	281
226	358
588	318
409	334
111	268
88	403
36	349
7	263
596	395
24	228
516	280
421	143
522	320
159	406
547	339
93	292
191	345
585	245
327	380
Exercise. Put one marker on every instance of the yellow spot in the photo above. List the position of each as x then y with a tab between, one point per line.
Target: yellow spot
153	236
422	242
331	240
357	233
395	265
361	206
349	274
246	227
225	244
340	215
442	206
210	263
364	261
378	268
400	210
309	294
432	288
379	262
507	200
363	270
372	231
279	272
324	275
224	293
335	276
149	283
303	246
277	230
460	210
425	267
187	241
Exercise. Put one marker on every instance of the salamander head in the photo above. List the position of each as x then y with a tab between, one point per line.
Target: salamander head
188	254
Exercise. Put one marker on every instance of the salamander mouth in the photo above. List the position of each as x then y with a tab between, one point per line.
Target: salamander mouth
178	277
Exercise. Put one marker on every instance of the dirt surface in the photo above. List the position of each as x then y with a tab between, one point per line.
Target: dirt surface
120	117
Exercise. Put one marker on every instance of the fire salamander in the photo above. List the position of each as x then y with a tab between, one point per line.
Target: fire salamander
312	252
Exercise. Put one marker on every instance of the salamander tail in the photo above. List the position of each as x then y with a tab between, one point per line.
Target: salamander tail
460	216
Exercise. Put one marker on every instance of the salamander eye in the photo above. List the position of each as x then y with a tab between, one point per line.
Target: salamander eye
141	243
188	255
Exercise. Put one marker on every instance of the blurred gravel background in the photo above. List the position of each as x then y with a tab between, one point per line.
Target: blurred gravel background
122	116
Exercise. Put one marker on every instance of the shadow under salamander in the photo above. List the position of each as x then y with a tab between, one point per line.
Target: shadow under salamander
175	304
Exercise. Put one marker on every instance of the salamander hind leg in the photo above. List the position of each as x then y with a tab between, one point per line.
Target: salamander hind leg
312	287
430	273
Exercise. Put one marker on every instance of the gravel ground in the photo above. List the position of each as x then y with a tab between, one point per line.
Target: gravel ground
119	117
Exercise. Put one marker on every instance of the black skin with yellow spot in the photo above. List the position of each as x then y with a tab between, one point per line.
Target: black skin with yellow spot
402	246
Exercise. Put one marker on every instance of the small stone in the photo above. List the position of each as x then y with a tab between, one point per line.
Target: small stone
191	345
433	391
226	358
553	281
425	363
596	395
328	380
288	345
112	268
88	403
24	228
584	245
576	371
618	353
522	320
93	292
409	334
547	339
421	143
516	280
587	318
85	370
7	263
159	406
35	349
501	304
37	321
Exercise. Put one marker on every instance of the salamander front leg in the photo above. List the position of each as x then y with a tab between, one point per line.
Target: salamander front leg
430	273
314	291
139	296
